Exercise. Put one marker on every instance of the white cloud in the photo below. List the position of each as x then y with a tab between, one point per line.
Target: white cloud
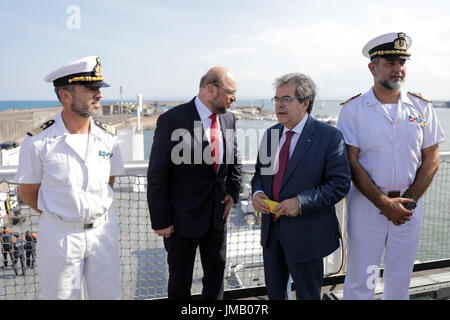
163	47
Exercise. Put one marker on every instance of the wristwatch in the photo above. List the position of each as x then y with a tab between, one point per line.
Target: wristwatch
411	205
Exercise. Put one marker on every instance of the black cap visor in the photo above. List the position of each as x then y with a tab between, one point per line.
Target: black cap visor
392	56
96	84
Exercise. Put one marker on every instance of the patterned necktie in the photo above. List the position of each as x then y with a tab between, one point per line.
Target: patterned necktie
215	146
283	160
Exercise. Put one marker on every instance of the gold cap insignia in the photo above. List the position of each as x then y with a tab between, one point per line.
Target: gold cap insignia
98	68
400	42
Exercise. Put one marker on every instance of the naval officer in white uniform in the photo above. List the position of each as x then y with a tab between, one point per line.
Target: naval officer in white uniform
67	168
392	139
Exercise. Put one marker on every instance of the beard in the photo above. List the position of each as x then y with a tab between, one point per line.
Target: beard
390	85
220	109
218	106
84	110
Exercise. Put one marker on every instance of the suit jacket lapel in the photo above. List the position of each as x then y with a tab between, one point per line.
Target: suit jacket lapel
194	121
279	128
301	148
198	134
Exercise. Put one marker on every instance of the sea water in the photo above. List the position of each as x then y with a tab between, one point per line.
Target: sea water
247	129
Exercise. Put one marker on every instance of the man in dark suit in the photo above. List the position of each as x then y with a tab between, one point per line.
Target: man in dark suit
303	165
194	176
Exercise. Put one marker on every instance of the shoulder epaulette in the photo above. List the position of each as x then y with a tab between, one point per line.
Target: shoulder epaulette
105	127
41	128
348	100
418	95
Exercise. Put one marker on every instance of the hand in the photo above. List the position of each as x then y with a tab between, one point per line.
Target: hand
228	200
258	203
395	211
166	232
289	207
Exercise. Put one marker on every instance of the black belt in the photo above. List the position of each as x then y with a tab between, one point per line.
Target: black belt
393	193
88	226
397	193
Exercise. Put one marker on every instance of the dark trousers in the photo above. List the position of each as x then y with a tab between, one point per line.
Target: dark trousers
5	257
307	275
22	263
181	257
31	253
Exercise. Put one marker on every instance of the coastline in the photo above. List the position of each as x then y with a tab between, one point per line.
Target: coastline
15	123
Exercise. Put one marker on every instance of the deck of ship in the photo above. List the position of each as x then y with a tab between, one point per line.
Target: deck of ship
144	271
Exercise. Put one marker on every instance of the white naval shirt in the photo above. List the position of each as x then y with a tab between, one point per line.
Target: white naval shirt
390	147
74	180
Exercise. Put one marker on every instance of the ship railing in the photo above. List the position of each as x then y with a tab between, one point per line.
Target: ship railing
144	271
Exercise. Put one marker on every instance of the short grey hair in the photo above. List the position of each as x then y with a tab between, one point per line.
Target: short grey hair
305	88
67	87
375	60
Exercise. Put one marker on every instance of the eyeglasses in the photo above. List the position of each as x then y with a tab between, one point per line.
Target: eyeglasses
228	92
285	100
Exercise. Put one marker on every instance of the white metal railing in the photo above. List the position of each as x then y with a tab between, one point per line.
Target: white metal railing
139	167
144	270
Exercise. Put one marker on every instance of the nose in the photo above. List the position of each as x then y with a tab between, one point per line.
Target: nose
280	104
398	67
98	93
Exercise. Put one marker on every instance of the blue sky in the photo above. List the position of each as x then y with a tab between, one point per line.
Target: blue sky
162	48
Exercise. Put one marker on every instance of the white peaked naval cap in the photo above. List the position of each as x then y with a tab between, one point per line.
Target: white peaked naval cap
85	71
389	45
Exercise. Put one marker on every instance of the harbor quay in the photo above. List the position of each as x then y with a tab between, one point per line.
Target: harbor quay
15	123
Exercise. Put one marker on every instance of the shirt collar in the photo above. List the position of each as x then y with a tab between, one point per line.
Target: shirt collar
370	99
404	98
61	129
298	128
95	130
202	110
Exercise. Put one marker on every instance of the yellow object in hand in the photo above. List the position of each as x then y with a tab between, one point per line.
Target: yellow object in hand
271	204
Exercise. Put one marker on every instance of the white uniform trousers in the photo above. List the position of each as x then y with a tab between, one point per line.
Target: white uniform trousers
369	233
66	255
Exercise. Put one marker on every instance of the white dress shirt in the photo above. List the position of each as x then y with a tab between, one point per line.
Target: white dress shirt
298	129
205	114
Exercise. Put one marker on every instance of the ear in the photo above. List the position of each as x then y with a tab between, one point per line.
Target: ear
65	94
211	89
372	68
306	101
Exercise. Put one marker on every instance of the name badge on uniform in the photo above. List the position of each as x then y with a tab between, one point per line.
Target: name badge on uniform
419	120
105	155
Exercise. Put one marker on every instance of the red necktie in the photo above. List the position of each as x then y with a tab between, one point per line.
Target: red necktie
215	146
283	160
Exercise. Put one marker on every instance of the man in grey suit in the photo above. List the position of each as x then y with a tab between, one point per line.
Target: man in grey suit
302	164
